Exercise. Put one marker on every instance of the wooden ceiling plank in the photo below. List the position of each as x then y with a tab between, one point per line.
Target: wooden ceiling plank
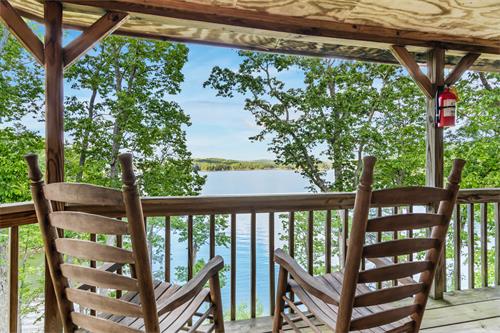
103	27
293	44
18	27
406	59
295	25
464	64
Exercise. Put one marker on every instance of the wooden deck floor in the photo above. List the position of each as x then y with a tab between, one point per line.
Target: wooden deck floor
471	311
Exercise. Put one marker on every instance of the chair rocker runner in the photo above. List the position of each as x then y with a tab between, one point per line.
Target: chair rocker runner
348	300
150	306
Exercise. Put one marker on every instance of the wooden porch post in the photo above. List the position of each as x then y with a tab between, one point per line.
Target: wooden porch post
54	130
434	152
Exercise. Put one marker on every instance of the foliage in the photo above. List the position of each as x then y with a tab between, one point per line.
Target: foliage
20	99
21	89
15	142
201	234
477	136
243	312
476	139
128	81
339	113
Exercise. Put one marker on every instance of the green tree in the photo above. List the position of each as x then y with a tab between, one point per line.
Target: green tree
129	82
341	112
477	135
201	232
476	139
21	96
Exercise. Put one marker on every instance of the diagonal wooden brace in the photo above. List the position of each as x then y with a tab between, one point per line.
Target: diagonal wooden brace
108	23
18	27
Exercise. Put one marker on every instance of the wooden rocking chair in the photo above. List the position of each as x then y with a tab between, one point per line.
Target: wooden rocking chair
347	300
148	305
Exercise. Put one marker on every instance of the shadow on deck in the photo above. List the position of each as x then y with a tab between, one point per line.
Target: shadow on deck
468	311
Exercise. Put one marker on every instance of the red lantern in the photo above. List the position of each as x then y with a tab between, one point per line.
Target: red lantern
447	102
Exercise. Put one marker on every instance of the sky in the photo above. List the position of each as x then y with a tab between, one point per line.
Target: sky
220	126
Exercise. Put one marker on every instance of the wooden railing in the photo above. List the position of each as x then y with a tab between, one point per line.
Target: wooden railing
335	207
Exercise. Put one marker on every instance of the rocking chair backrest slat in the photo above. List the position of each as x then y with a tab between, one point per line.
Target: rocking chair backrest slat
404	222
94	324
83	194
88	223
98	278
57	249
411	195
357	251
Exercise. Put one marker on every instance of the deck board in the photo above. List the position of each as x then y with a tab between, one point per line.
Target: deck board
461	311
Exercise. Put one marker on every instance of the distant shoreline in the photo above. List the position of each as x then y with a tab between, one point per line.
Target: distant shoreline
221	164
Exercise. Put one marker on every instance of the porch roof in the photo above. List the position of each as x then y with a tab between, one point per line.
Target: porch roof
351	29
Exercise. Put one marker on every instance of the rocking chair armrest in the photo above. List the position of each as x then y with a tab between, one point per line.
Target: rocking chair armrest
192	287
304	279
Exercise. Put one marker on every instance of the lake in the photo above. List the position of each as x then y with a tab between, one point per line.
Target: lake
246	182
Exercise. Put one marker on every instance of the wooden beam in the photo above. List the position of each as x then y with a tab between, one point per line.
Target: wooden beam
434	154
464	64
21	30
254	19
54	130
406	59
108	23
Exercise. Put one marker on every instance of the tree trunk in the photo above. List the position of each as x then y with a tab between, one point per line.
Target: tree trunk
4	39
115	148
85	139
484	81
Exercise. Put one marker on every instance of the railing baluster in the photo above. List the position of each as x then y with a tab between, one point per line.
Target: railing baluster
395	235
291	234
271	262
379	240
457	243
484	244
93	238
328	241
119	270
345	235
291	240
212	236
310	241
410	233
233	266
497	243
470	221
253	259
190	247
149	244
168	248
13	278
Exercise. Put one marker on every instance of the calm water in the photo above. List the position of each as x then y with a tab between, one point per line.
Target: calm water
246	182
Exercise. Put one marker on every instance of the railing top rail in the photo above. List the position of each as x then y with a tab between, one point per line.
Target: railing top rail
23	213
